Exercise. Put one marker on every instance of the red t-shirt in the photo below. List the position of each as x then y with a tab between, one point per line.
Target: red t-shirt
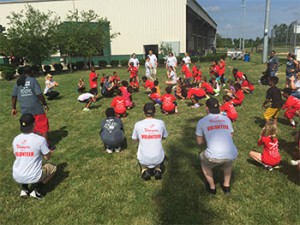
115	78
209	89
222	68
270	155
195	71
119	105
248	85
93	80
186	71
292	103
134	84
215	71
167	102
239	75
133	71
155	96
123	90
102	80
239	97
199	92
149	84
230	110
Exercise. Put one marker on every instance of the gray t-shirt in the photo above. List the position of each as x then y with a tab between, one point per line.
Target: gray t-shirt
217	129
27	96
272	62
111	132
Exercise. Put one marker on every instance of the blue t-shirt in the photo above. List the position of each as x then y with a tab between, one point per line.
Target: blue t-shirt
28	96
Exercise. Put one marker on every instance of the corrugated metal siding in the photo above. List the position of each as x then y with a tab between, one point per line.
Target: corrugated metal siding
140	22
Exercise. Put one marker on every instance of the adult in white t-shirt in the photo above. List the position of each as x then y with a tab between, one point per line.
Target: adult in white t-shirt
153	61
134	60
216	131
187	59
148	68
171	61
87	98
29	150
149	133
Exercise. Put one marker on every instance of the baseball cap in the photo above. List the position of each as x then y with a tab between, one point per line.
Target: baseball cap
149	108
26	123
213	106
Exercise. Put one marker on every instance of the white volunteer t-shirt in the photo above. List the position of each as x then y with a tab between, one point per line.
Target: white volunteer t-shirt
147	68
187	60
171	61
153	60
217	129
150	132
135	61
28	150
85	96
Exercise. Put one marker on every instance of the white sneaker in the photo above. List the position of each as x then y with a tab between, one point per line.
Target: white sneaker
109	151
36	194
195	106
176	110
86	109
217	94
24	193
295	162
118	149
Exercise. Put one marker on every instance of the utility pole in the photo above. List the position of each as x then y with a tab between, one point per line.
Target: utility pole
244	6
266	31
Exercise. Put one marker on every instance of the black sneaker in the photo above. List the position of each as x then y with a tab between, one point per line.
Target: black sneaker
146	175
226	190
209	190
35	194
158	175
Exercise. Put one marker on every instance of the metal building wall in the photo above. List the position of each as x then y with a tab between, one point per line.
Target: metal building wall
140	22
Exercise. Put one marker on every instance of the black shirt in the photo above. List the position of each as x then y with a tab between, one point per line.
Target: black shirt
274	95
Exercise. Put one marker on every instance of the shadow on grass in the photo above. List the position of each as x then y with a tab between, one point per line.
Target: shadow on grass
183	198
283	121
288	147
59	177
57	135
290	171
260	121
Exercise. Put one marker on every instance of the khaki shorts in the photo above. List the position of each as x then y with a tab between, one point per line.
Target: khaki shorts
48	170
212	163
271	113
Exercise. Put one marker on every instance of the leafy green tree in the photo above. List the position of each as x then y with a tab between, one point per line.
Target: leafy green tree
30	34
280	33
83	34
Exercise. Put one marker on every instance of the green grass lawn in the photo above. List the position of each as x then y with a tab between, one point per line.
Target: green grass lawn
93	187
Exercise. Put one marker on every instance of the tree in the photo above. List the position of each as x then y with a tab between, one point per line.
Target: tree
280	33
30	34
83	34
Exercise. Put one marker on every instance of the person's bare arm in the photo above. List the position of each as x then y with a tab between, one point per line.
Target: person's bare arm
14	105
48	156
200	140
43	101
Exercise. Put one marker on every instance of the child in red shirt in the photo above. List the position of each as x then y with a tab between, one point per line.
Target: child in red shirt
133	70
119	104
115	79
134	84
93	81
207	87
292	106
238	75
186	72
124	87
148	84
214	69
195	94
103	79
247	86
154	96
128	98
169	104
228	109
270	156
238	97
222	66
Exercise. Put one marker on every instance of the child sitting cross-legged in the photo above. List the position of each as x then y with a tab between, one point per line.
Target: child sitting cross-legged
119	104
169	105
228	108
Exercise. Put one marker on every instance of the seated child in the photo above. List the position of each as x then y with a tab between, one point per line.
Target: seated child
147	83
238	75
134	84
154	96
156	82
228	108
292	106
270	156
180	90
80	86
115	79
169	104
119	104
195	94
207	87
112	132
214	69
102	80
128	98
216	86
172	78
238	97
247	86
133	70
124	87
87	98
231	90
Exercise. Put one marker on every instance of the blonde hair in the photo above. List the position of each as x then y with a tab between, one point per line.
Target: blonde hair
48	76
270	129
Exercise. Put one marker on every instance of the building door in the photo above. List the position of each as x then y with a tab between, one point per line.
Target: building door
154	48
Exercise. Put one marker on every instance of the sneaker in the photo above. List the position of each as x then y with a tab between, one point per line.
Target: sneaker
109	151
158	175
209	190
24	193
86	109
295	162
269	168
176	110
293	125
118	149
36	194
146	175
226	190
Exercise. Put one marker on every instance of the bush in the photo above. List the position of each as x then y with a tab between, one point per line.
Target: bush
114	63
79	65
58	67
142	62
124	62
47	68
90	63
8	71
102	63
